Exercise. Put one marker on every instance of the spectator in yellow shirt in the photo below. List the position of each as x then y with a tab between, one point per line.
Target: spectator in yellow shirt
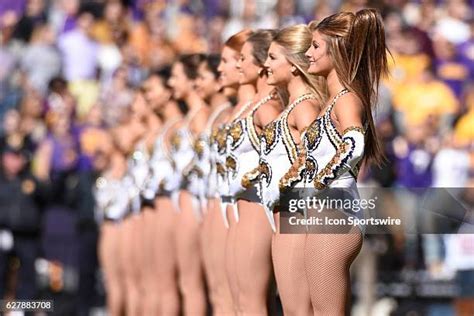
425	100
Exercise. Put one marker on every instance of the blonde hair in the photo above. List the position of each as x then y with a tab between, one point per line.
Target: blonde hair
295	41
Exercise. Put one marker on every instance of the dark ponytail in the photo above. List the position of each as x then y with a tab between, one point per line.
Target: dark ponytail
356	43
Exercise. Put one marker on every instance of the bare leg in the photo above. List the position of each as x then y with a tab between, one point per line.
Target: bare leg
230	258
253	258
206	248
149	291
108	251
288	260
166	262
223	296
191	277
130	262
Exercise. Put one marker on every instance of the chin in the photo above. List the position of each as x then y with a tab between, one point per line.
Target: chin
271	82
314	70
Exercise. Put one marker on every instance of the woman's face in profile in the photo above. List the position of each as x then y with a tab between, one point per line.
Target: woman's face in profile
206	84
179	81
277	66
320	62
229	76
248	70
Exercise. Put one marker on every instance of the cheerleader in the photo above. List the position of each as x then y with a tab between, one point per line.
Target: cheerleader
132	256
209	89
287	68
112	203
348	50
183	75
158	193
146	113
252	244
229	79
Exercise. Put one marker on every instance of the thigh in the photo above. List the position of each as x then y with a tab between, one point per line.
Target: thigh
327	261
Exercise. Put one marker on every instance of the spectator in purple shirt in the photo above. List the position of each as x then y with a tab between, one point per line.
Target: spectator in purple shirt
450	66
79	50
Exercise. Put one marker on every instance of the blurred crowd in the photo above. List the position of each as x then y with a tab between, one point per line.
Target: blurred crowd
69	70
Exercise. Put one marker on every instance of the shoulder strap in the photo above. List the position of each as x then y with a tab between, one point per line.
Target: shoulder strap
213	117
190	115
304	97
262	101
337	96
242	110
165	130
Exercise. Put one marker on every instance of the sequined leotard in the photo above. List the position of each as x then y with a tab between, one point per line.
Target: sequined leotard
243	155
331	159
278	151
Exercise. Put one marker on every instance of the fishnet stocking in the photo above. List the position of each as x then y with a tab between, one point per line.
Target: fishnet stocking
328	258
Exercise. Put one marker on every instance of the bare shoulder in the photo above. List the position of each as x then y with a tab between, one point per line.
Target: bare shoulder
200	120
307	108
268	112
274	106
223	117
304	114
348	104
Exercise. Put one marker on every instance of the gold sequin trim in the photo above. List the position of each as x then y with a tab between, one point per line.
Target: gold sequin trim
199	146
221	138
312	135
354	128
319	181
295	171
236	132
265	171
270	134
250	177
175	141
220	168
231	163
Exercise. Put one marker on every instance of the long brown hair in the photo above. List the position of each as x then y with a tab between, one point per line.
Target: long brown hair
356	44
